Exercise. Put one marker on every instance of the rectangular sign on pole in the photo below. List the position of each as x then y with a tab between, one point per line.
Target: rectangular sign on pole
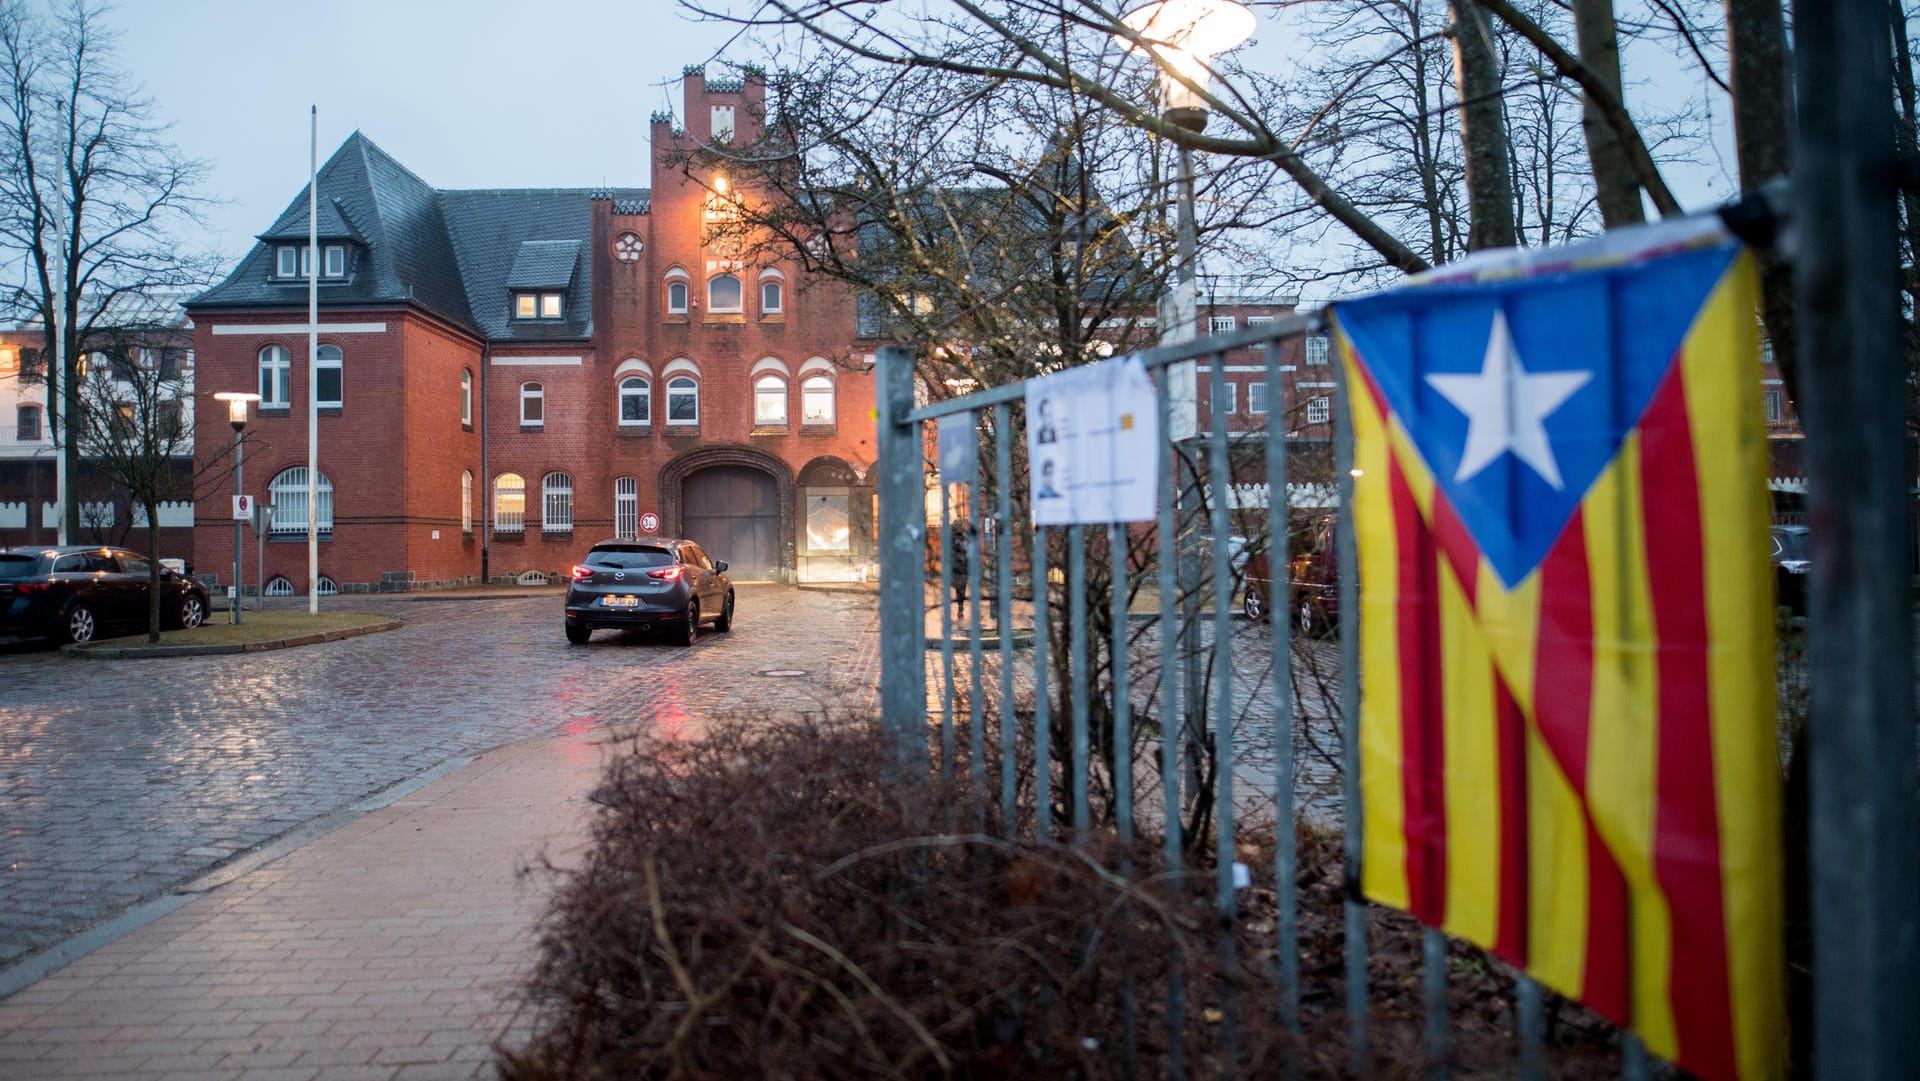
1093	437
242	508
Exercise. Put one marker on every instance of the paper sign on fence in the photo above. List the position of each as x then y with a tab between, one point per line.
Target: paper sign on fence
1093	438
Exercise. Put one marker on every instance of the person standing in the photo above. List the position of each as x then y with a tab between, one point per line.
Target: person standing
962	537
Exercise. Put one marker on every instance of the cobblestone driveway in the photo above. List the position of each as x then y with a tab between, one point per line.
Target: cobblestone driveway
119	781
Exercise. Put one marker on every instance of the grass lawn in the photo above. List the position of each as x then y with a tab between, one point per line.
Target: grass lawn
258	627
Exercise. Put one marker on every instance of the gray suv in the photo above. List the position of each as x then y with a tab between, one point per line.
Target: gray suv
658	585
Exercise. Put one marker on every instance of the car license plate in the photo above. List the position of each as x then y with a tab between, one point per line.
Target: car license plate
620	602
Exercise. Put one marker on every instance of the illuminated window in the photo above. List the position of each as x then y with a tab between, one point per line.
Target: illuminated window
537	306
816	400
509	503
770	400
466	501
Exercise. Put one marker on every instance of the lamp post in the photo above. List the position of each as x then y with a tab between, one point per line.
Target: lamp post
237	416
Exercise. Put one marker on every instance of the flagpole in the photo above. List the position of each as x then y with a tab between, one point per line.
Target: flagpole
313	361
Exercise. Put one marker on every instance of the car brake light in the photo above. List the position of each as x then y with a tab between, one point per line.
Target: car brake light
32	587
582	572
665	574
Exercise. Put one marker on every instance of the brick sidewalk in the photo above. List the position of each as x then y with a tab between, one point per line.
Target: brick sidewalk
387	949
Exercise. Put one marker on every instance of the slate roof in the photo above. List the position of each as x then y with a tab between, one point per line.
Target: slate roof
454	253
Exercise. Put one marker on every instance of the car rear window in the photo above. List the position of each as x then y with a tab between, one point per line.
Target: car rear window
620	558
14	567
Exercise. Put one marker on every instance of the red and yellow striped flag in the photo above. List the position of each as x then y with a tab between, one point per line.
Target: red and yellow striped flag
1568	742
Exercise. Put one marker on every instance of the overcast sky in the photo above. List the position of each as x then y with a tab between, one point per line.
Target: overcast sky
466	93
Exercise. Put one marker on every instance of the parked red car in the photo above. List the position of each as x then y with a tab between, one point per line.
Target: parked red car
1313	578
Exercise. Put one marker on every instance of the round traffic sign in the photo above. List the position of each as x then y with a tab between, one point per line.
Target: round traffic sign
650	522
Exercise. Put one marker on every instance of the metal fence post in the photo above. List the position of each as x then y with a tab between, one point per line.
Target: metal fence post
1865	897
901	491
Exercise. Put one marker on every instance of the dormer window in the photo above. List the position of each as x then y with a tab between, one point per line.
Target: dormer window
296	261
538	306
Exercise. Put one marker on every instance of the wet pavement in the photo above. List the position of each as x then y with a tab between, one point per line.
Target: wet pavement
121	781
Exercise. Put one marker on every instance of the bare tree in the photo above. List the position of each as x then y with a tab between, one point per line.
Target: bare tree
90	190
134	421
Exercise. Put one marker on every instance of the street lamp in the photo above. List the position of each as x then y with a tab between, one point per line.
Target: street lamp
237	416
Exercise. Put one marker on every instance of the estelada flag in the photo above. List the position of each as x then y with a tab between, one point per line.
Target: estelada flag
1567	728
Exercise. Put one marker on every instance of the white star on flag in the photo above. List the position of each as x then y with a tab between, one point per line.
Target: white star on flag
1505	405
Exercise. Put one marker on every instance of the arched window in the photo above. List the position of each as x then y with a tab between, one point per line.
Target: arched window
533	405
723	293
769	400
289	494
279	586
327	375
556	503
466	501
327	587
466	397
683	400
626	508
816	400
509	503
771	296
677	291
276	377
636	406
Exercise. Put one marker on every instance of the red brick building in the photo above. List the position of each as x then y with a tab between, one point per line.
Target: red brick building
507	376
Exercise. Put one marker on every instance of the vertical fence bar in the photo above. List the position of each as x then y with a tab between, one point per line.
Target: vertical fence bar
1433	989
1860	740
1122	690
1170	717
1530	1020
1042	693
1077	660
901	493
1220	709
1003	562
946	645
1351	809
976	689
1285	856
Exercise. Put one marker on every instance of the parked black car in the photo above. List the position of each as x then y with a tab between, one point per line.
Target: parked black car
1791	546
657	584
75	593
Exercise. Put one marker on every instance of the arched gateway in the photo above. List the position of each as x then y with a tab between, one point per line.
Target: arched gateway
737	504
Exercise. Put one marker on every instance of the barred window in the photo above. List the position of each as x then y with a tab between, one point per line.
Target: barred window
556	503
626	508
1316	349
1319	410
289	494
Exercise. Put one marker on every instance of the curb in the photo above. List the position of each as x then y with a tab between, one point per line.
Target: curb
117	653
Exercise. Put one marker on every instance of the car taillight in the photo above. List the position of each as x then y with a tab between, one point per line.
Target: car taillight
665	574
582	572
33	587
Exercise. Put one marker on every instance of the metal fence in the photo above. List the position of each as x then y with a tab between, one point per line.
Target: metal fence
1171	672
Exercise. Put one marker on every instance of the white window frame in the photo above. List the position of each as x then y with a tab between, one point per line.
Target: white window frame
533	392
329	357
287	492
815	388
1257	398
771	287
556	503
286	261
1254	322
276	377
643	393
680	287
1220	324
739	302
1233	397
1318	350
1773	402
626	508
466	501
466	397
1320	409
333	261
552	306
509	521
769	391
683	386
